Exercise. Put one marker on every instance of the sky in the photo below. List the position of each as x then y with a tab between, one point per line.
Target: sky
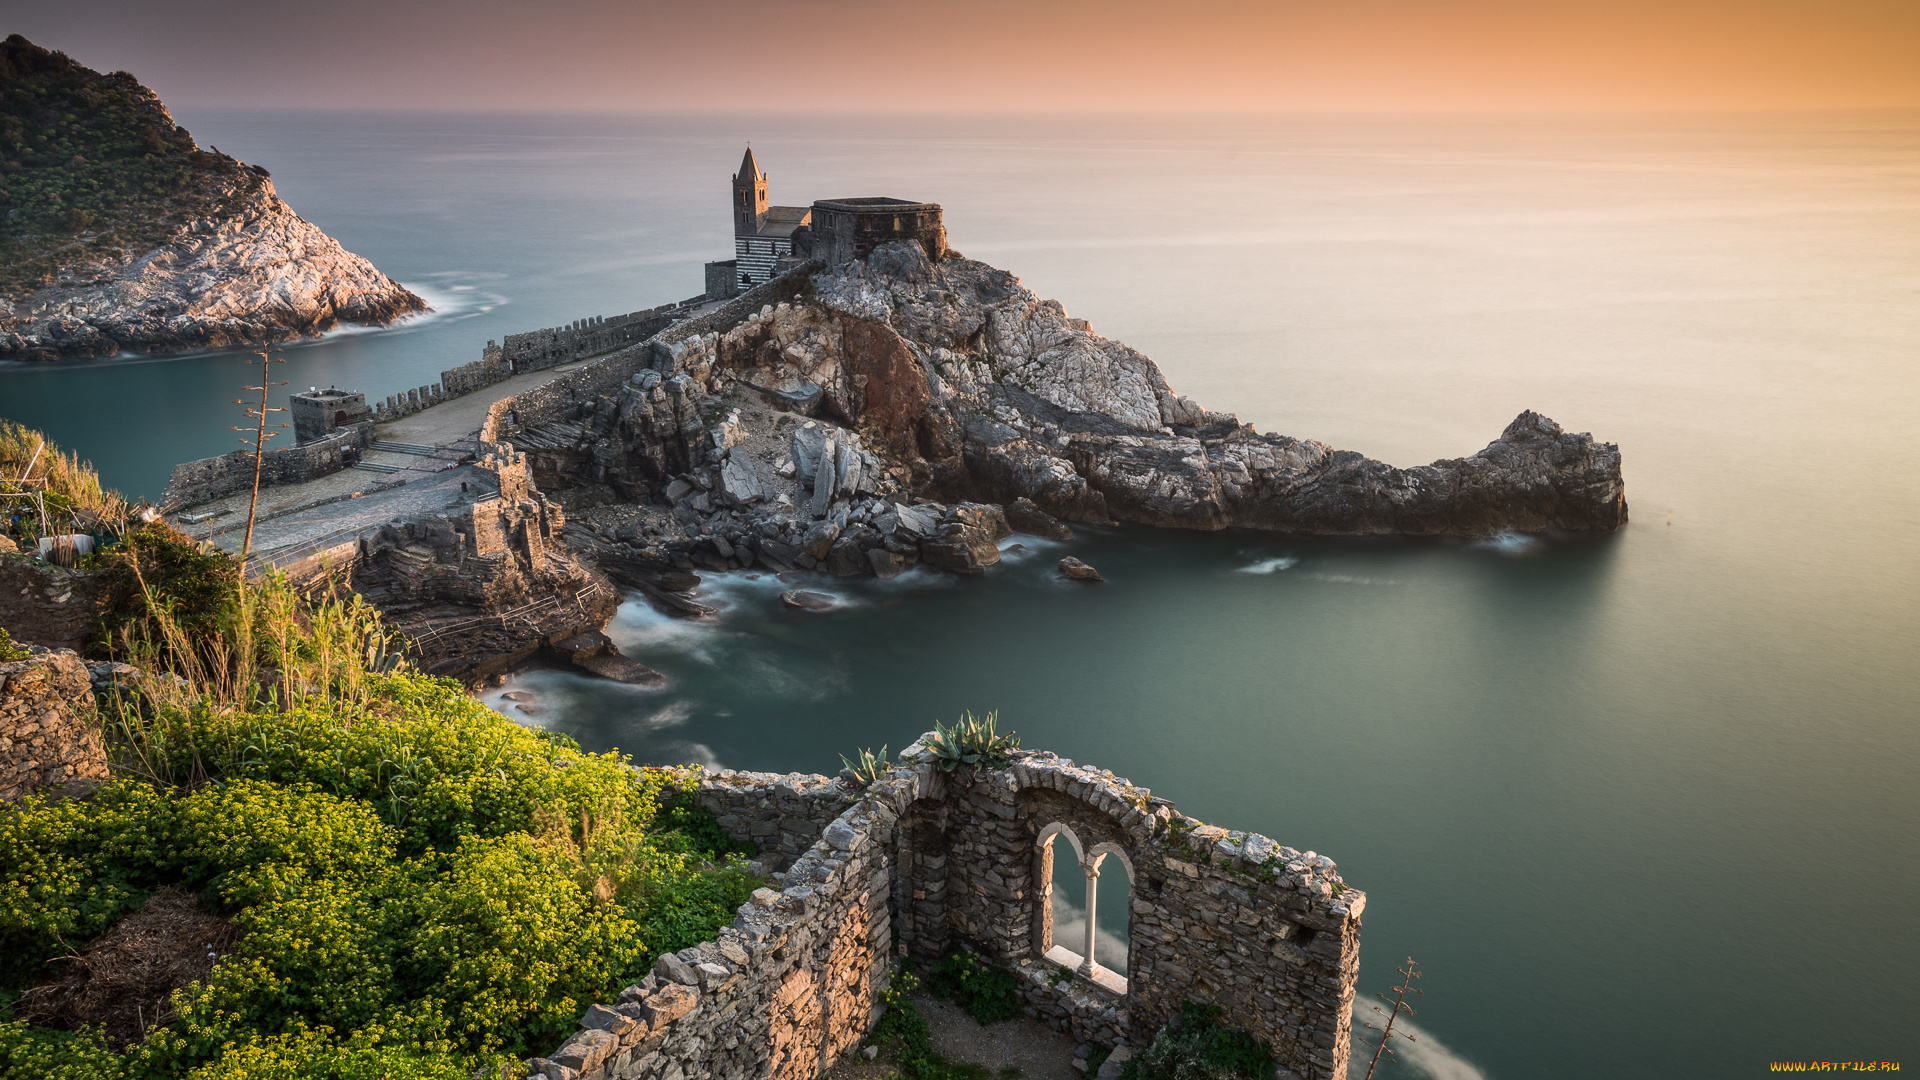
786	56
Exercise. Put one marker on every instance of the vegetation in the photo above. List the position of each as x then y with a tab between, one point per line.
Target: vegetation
972	741
1197	1046
8	650
418	886
91	165
984	993
44	490
903	1033
866	766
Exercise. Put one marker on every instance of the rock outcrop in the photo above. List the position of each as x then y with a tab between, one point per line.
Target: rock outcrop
258	273
880	414
118	232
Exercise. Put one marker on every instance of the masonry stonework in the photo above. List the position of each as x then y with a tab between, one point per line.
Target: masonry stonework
942	861
47	739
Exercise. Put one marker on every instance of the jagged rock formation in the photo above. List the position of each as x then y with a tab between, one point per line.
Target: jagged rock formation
949	383
118	232
481	593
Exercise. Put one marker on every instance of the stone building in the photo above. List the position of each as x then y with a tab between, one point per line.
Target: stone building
763	235
319	413
768	239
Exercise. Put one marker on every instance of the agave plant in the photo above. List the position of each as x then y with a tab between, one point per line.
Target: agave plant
972	741
866	766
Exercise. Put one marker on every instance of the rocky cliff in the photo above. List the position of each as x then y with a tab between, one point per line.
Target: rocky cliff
897	410
120	232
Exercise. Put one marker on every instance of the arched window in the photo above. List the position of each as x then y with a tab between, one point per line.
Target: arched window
1069	926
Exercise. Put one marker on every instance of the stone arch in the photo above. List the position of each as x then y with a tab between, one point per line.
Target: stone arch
1083	956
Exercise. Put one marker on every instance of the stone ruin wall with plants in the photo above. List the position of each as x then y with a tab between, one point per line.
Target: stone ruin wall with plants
927	862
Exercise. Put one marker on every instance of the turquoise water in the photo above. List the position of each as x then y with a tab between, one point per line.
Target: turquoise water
1641	805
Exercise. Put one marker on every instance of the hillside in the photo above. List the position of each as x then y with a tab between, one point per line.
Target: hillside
117	231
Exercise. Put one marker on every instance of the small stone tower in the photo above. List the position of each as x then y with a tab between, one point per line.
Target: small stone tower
749	196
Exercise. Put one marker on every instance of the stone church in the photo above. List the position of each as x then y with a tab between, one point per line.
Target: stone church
768	240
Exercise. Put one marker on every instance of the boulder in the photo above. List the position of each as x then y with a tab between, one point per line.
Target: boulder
1024	517
1079	571
845	559
740	481
819	540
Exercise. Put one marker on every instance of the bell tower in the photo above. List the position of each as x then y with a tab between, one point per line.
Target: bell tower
749	196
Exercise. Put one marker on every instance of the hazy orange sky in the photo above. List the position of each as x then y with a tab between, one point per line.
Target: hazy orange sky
986	55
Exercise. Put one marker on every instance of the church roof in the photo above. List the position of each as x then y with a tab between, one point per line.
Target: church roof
749	168
783	220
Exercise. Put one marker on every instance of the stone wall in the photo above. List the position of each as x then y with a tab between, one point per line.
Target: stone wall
195	482
943	861
561	397
47	737
792	985
44	604
847	229
537	349
492	367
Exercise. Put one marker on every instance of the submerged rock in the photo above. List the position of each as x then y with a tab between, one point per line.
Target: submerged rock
808	601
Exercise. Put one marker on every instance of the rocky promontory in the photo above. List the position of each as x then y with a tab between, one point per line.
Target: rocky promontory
896	410
118	232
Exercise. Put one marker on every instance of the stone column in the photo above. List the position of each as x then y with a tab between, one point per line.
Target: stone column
1092	867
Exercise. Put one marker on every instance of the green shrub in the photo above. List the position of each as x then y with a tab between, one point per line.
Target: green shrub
8	650
311	1055
1197	1046
985	993
41	1054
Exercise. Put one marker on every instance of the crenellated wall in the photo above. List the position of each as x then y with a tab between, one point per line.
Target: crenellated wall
941	861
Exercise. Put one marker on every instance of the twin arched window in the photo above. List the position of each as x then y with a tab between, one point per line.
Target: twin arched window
1084	952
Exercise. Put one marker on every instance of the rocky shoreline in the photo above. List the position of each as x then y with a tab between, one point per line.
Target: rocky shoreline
257	273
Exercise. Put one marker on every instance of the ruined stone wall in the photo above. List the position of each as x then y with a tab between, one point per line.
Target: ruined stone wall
793	984
47	739
945	861
195	482
1232	919
44	604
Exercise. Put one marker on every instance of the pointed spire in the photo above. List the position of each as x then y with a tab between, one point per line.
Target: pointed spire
749	169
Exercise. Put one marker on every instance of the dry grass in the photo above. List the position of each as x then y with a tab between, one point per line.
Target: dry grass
54	489
123	981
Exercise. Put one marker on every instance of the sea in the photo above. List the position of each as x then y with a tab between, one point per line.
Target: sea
1638	805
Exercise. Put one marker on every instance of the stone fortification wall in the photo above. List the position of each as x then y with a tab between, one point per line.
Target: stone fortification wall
492	367
945	861
44	604
561	397
793	984
408	402
538	349
47	738
848	229
195	482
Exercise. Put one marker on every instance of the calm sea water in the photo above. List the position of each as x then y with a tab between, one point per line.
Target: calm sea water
1641	805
